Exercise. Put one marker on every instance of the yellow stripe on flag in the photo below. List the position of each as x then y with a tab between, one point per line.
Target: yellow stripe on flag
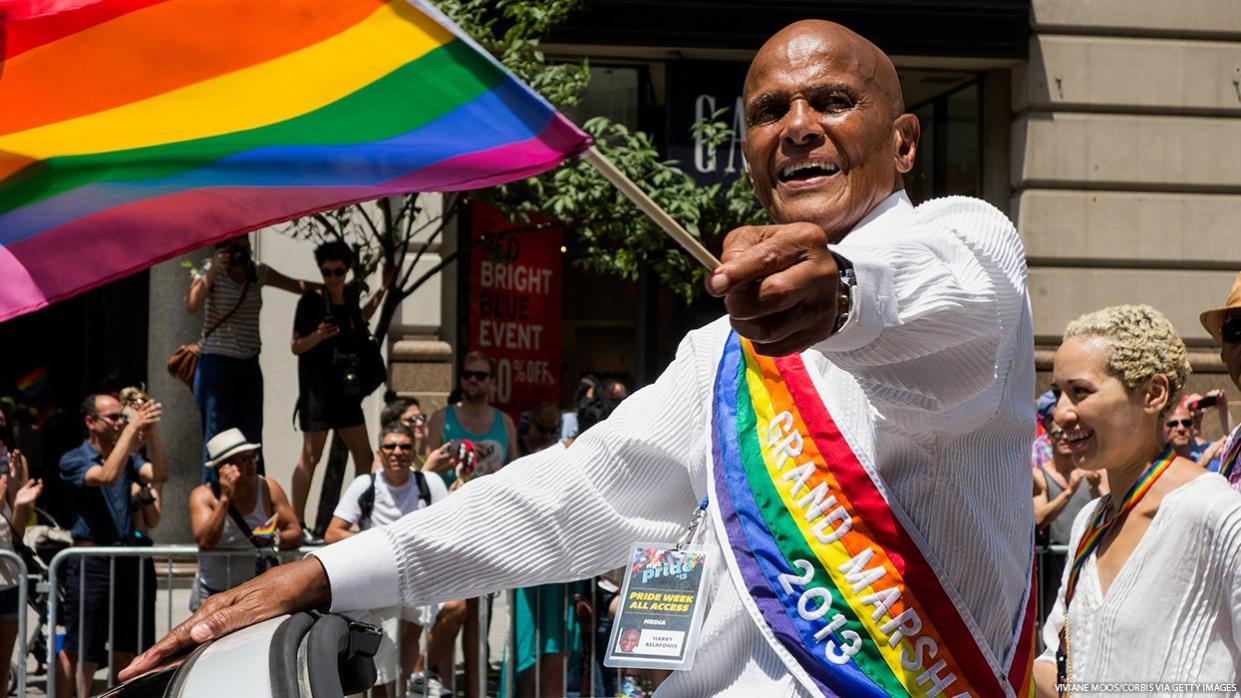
261	95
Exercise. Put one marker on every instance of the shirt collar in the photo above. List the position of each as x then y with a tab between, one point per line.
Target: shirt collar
891	216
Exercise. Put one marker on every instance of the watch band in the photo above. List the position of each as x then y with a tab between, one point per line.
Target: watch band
844	298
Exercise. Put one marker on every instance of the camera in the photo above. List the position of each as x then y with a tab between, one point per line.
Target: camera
1209	401
238	257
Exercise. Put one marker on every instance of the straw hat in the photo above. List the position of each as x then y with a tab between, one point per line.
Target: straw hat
1213	320
227	444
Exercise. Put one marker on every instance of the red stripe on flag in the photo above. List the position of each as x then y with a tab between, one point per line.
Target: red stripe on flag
45	21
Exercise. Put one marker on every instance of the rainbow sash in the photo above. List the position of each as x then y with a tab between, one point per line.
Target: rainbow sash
1228	464
853	605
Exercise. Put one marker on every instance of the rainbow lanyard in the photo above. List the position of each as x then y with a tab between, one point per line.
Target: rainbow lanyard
1101	523
1229	462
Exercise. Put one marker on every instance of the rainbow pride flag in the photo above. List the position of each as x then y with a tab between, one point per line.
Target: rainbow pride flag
132	131
267	530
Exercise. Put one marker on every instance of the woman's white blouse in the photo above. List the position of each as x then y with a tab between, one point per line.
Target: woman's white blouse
1173	613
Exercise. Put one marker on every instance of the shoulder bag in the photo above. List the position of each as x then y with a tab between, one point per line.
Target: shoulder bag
184	361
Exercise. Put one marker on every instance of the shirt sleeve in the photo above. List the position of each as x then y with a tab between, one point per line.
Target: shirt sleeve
932	308
349	507
73	467
554	516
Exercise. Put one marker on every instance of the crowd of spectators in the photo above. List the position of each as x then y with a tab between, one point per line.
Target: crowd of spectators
239	517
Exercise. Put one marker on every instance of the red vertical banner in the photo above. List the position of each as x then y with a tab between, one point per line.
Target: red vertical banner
515	287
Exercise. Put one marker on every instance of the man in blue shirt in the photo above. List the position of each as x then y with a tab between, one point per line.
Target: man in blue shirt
99	477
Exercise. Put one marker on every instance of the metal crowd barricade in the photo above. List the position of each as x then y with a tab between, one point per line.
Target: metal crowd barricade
1048	576
168	555
8	557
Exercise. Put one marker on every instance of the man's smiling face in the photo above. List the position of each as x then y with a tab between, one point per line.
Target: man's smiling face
826	139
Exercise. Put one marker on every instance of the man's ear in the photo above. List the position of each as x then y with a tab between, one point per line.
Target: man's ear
1157	396
906	131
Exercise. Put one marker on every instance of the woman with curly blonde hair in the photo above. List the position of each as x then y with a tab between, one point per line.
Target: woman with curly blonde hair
1149	593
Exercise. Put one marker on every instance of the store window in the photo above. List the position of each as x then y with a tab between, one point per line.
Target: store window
949	156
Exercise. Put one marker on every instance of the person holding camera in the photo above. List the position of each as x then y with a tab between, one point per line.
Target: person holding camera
228	382
335	366
99	476
235	512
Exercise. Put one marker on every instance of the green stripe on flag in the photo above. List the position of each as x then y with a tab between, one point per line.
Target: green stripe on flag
409	97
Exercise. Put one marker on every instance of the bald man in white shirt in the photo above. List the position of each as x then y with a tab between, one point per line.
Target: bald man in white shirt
914	327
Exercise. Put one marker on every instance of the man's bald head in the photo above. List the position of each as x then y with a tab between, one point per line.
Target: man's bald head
808	34
827	137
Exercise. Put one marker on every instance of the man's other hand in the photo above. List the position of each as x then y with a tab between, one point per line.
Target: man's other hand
297	586
779	284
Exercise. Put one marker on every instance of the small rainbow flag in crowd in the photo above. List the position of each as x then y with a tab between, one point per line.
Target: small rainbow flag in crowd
267	530
132	131
33	383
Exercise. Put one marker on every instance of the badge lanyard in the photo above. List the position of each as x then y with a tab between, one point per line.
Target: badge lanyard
1099	527
660	613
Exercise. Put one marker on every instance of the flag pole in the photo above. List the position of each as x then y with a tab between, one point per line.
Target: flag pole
627	187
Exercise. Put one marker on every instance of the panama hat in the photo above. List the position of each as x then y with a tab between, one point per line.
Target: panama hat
1213	320
227	444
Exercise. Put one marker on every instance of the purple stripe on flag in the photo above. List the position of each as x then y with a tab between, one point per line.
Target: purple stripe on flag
117	242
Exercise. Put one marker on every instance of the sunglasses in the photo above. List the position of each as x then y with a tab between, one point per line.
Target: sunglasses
329	272
114	417
477	375
1172	423
247	457
416	420
1231	330
397	447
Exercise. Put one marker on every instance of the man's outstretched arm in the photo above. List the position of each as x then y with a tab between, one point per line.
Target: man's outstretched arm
554	516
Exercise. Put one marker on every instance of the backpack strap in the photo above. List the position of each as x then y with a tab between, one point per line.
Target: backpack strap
424	492
367	501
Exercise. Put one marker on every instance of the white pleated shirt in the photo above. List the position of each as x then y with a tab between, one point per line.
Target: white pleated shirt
931	378
1173	613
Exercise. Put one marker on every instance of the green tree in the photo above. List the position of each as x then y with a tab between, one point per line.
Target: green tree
614	236
396	233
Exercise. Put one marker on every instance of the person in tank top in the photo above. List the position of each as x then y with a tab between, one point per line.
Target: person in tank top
476	419
240	493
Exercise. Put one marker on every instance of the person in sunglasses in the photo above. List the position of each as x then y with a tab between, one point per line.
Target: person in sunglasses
542	429
1180	432
225	513
376	499
98	476
1224	324
328	322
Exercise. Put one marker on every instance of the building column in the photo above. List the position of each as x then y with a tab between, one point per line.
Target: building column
170	327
